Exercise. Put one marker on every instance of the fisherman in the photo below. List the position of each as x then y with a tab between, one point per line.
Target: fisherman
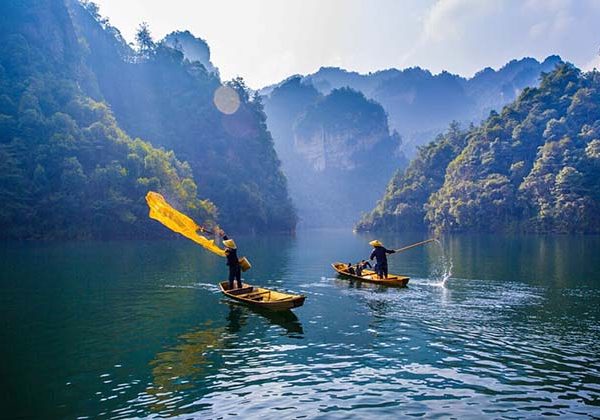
235	270
361	266
350	269
380	254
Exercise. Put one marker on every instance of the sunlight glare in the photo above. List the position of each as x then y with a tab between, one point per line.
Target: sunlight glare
226	100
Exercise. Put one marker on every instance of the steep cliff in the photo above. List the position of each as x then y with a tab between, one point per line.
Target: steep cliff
72	92
193	49
337	150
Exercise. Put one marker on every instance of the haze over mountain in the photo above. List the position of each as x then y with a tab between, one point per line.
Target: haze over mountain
420	104
268	40
76	100
323	163
336	150
72	92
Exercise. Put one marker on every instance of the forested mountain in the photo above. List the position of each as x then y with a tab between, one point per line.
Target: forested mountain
532	167
67	167
420	104
169	100
336	150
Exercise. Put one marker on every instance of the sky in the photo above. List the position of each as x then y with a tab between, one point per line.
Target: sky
265	41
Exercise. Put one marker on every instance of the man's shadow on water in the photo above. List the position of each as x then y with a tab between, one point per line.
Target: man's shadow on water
238	316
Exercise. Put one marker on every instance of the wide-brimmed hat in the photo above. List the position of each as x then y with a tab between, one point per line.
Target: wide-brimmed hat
375	243
229	243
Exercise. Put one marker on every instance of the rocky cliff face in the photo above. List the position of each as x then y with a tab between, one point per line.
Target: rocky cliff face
336	150
340	124
343	150
45	25
193	48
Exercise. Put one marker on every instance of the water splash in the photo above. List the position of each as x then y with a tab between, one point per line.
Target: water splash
442	270
447	271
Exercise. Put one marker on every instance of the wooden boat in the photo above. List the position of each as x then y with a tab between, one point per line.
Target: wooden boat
370	276
263	298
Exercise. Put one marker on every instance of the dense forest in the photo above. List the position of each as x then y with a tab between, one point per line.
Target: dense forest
532	167
420	104
162	96
336	150
72	92
66	169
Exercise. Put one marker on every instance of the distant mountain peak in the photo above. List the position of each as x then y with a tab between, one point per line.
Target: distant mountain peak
192	47
552	59
332	69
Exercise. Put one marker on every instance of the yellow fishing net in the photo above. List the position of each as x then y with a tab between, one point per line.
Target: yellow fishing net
178	222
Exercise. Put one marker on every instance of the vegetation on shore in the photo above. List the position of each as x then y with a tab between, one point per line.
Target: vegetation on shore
533	167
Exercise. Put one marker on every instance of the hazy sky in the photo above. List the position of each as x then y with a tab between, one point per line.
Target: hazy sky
265	41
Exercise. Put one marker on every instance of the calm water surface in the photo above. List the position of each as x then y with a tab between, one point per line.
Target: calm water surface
138	329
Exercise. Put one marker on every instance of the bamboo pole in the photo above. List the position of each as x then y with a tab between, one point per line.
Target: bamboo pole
406	248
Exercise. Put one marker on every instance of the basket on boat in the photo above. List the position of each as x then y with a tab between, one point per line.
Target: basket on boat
245	264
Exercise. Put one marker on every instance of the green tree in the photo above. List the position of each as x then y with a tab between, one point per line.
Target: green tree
143	38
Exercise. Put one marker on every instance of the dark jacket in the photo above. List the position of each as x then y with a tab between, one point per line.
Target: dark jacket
380	254
231	254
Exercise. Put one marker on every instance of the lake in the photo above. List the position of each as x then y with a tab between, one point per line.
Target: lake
489	326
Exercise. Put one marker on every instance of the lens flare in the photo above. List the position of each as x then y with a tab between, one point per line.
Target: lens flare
226	100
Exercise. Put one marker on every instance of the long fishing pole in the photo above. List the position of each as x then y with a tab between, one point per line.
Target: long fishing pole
406	248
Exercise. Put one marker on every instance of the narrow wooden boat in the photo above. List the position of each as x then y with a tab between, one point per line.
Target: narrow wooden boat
370	276
263	298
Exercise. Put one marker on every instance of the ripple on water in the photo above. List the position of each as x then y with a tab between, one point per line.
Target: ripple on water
465	350
165	344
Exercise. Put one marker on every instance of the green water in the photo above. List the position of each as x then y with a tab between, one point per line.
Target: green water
138	329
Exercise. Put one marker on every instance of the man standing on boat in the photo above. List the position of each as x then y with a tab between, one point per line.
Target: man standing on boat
235	270
380	254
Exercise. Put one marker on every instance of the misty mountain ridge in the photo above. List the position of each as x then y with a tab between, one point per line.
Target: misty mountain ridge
338	136
314	138
420	104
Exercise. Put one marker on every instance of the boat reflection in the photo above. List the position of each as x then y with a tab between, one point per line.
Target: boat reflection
284	319
187	363
236	318
182	366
